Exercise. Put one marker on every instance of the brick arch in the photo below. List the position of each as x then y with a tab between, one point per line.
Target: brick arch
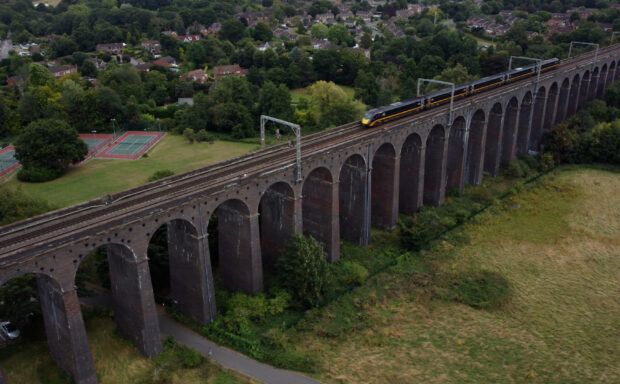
277	220
593	84
475	148
456	153
539	117
133	301
492	143
523	128
509	130
573	98
612	74
353	196
409	175
617	72
238	254
434	166
384	187
320	210
563	100
189	268
583	90
67	341
600	89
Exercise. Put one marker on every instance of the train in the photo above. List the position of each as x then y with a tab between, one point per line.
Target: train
408	107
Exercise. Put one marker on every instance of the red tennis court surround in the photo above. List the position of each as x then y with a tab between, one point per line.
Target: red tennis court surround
7	160
132	145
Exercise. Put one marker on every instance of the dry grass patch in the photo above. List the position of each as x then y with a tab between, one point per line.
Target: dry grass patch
557	244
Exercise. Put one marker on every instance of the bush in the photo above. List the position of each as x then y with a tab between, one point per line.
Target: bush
303	270
189	134
160	174
602	144
517	169
352	273
480	290
37	174
416	232
204	136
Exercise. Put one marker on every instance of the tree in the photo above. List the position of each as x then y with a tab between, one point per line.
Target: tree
303	270
63	46
275	101
40	75
232	30
262	32
323	94
319	31
50	145
366	88
338	34
457	75
366	41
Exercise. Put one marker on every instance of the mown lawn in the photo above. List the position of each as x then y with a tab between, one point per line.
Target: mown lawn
558	245
102	176
117	361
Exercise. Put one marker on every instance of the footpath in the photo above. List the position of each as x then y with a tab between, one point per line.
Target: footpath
226	357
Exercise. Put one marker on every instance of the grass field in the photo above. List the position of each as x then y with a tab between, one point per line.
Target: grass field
98	177
298	93
558	245
116	362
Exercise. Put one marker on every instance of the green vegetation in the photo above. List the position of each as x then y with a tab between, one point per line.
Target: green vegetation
303	271
553	245
592	135
117	361
101	176
46	148
15	206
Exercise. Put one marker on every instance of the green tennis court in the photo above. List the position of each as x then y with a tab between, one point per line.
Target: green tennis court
131	145
92	143
7	160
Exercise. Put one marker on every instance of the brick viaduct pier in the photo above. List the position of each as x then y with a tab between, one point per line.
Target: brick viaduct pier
352	179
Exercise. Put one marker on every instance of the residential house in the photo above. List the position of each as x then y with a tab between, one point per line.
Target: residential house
215	28
366	16
325	18
111	48
321	44
167	62
197	76
228	70
63	70
262	46
395	29
346	15
153	46
188	38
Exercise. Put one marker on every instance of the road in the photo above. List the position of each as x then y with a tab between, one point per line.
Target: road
226	357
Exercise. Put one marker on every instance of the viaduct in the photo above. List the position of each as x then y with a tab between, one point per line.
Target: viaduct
352	178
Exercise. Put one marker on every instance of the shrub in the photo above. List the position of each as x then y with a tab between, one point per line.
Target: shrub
352	273
602	144
481	289
37	174
189	134
160	174
545	162
189	358
303	270
204	136
516	169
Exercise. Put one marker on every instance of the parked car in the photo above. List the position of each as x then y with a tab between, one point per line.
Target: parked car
8	332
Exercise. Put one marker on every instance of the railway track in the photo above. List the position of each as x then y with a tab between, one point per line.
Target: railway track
231	172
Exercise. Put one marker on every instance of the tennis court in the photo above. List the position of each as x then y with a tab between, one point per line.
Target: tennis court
132	145
7	160
96	142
